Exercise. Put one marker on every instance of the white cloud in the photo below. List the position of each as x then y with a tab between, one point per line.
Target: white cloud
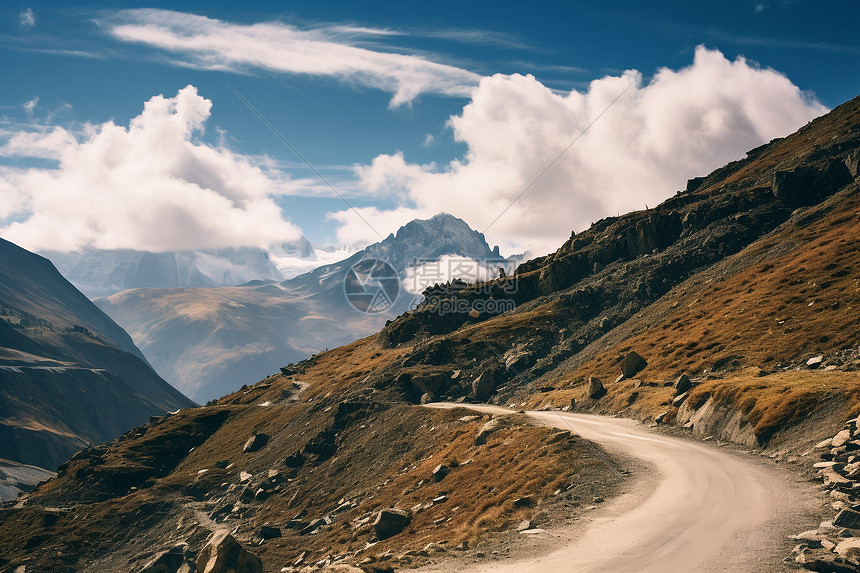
677	125
29	106
211	44
150	186
27	18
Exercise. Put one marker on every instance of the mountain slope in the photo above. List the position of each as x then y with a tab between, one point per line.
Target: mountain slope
70	375
209	341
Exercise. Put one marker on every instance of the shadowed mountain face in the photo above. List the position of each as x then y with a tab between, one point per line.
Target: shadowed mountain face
70	375
210	341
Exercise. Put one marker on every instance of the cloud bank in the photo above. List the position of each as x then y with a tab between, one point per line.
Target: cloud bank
333	51
151	186
677	125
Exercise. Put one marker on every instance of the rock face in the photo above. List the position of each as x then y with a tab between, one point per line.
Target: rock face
223	554
390	522
632	364
483	386
809	184
595	388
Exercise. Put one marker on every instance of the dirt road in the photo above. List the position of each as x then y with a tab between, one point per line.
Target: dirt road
699	508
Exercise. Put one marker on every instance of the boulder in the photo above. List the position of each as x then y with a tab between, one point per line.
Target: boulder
390	522
427	397
483	386
255	442
486	430
815	361
683	384
439	472
223	554
632	364
595	388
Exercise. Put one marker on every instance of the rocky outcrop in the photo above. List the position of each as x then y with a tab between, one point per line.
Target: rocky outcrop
811	183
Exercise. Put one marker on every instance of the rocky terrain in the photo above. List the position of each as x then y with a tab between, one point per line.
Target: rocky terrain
70	376
209	341
727	314
835	545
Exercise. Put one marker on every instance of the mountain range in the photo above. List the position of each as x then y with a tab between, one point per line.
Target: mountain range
209	341
103	272
71	377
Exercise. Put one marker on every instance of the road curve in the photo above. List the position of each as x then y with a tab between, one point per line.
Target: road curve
704	510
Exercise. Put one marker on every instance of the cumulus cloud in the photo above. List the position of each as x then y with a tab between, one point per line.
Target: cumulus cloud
150	186
334	51
677	125
27	18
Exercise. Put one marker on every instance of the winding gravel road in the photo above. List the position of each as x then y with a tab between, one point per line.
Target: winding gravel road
698	508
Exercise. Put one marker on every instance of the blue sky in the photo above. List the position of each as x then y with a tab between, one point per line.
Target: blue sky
366	92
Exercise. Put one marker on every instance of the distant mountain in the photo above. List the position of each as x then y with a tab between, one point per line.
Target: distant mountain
99	272
69	375
209	341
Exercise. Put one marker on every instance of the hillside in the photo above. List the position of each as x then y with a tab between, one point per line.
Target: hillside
70	376
706	315
209	341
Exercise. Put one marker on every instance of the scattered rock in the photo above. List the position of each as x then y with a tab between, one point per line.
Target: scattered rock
255	442
223	554
632	364
815	361
390	522
595	388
